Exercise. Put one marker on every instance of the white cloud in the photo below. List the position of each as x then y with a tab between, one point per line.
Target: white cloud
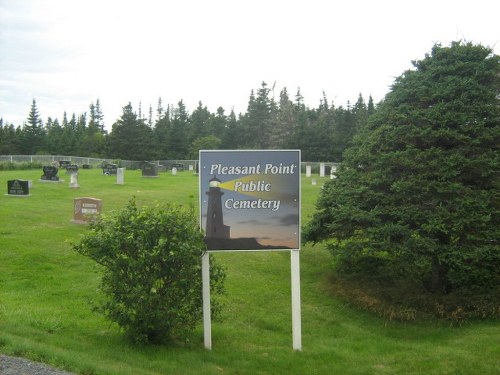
66	54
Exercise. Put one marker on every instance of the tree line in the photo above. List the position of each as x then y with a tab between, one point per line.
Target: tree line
322	133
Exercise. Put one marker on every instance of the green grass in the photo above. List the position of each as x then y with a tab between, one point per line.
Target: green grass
45	289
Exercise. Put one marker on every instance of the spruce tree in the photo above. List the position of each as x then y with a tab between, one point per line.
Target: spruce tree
419	189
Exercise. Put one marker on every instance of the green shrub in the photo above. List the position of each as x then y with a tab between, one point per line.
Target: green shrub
151	261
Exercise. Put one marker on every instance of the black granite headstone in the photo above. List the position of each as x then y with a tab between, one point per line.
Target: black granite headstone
50	173
64	163
18	187
109	168
149	170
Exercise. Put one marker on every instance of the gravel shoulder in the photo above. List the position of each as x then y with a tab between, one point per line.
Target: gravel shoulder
20	366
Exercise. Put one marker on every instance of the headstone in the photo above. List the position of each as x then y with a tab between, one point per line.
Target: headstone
308	171
108	169
197	168
72	168
174	171
321	169
178	166
313	181
191	168
149	170
86	166
73	180
120	176
64	163
332	172
86	209
50	173
18	187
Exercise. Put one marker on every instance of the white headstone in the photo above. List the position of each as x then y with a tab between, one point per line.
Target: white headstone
120	176
73	180
322	170
308	171
314	181
191	167
174	171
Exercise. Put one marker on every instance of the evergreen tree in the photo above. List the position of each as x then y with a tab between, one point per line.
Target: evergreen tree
33	138
177	140
419	189
131	138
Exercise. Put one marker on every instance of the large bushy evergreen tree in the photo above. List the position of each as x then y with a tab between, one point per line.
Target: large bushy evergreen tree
419	188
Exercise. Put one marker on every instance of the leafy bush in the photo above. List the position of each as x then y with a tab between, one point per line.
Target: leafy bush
151	261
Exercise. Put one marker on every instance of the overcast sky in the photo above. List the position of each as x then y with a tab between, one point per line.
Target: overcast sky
66	54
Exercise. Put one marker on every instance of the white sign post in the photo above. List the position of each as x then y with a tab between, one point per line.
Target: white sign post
263	188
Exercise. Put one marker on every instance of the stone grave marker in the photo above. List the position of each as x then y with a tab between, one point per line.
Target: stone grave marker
149	170
308	171
19	188
120	176
73	180
72	168
50	173
64	163
108	169
86	166
174	171
86	209
322	170
332	172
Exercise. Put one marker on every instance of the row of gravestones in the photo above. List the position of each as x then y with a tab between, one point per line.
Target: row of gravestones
84	209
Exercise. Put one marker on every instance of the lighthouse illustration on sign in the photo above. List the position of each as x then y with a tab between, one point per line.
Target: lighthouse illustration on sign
215	227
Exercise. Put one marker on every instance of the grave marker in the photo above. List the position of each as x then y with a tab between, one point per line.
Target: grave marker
120	176
108	169
149	170
73	180
18	188
86	209
50	173
322	170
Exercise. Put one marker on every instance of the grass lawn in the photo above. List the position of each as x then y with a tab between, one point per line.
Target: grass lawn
45	290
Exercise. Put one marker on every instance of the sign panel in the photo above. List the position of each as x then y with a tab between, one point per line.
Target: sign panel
250	199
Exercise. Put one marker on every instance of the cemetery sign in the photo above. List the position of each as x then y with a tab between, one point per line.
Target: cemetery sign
250	199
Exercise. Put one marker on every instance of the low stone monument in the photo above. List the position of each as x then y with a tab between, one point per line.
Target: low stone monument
86	209
308	171
18	188
50	173
149	170
108	169
64	163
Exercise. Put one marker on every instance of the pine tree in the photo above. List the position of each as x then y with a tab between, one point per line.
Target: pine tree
419	189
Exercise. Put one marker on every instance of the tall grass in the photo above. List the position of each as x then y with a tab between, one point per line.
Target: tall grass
45	290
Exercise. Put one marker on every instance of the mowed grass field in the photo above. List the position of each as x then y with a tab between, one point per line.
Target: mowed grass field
46	288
